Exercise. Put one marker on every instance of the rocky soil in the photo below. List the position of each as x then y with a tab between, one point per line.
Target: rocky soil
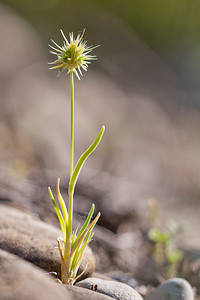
29	261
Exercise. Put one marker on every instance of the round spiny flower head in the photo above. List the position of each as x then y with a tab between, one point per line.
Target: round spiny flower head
73	55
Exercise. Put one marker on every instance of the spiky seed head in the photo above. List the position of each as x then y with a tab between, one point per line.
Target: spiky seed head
73	56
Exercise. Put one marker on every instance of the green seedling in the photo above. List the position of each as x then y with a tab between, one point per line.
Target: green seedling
73	56
166	256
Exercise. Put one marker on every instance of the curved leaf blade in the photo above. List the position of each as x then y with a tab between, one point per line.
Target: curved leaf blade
87	221
62	202
59	214
82	160
81	238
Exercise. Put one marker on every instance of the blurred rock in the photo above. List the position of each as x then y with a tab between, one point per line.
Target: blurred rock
123	277
114	289
35	241
21	280
173	289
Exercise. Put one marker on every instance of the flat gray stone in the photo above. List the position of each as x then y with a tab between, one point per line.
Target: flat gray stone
114	289
20	280
33	240
173	289
78	293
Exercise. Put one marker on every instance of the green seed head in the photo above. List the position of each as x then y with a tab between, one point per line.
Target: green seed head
73	55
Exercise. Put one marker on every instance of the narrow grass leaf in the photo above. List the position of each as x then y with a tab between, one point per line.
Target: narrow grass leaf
83	158
59	214
62	202
87	221
77	260
80	239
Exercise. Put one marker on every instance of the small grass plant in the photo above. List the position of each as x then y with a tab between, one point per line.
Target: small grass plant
73	56
166	256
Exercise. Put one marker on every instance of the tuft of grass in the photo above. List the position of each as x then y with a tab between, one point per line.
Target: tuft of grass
73	56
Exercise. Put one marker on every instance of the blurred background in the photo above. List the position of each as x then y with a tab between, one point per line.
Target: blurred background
144	87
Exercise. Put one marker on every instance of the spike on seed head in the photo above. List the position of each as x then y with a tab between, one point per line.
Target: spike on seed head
74	55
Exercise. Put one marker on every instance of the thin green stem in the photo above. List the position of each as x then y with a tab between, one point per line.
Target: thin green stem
67	259
72	124
70	212
70	207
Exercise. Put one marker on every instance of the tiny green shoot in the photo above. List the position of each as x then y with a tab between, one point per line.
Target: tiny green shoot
166	256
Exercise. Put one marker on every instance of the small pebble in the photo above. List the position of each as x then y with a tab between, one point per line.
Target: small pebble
173	289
